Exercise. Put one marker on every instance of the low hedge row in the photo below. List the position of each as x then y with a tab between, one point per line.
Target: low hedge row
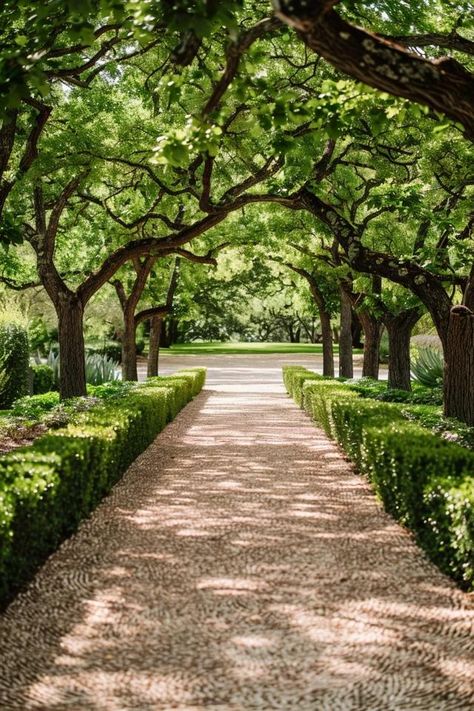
424	481
47	488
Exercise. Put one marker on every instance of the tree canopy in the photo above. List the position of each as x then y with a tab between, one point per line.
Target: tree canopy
330	145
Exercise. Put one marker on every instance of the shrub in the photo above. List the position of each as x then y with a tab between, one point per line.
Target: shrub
100	369
351	416
420	394
14	362
177	392
448	428
33	406
42	379
47	488
197	376
115	388
318	399
289	372
111	349
449	523
299	379
186	384
426	482
428	368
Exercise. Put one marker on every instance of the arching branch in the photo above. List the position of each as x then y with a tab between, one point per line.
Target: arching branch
444	85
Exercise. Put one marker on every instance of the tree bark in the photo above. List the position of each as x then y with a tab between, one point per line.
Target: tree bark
129	348
72	366
346	366
154	347
328	350
399	328
444	84
459	366
356	329
372	328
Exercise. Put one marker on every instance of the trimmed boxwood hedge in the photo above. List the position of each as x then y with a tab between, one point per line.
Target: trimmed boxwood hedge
47	488
424	481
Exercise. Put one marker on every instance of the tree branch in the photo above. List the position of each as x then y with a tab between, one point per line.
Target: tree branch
453	41
444	85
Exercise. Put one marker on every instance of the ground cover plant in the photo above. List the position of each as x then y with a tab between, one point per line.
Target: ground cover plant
424	479
48	487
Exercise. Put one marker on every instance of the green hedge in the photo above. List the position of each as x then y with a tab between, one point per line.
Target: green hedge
424	481
196	376
14	363
42	379
290	372
47	488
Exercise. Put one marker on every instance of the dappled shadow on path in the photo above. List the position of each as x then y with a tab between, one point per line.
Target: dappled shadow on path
240	564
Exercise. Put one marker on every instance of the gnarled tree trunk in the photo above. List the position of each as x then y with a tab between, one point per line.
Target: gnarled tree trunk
372	328
399	330
459	366
72	367
129	348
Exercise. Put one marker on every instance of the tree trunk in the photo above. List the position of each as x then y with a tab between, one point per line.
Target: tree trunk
154	349
372	328
72	366
164	334
129	348
399	330
459	366
328	351
172	332
346	366
356	328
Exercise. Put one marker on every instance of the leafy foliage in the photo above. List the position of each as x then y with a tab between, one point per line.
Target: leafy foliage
100	369
43	379
428	367
14	362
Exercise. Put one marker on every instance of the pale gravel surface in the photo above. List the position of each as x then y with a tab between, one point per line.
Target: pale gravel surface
240	564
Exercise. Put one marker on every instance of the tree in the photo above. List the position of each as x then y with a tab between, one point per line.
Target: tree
130	301
444	84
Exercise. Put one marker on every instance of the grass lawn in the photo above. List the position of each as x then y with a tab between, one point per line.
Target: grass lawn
243	348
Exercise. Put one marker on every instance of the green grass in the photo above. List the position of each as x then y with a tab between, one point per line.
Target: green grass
216	348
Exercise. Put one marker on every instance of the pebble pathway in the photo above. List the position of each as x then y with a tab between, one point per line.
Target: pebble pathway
240	564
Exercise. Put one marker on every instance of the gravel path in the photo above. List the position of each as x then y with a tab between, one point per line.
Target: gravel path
240	564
